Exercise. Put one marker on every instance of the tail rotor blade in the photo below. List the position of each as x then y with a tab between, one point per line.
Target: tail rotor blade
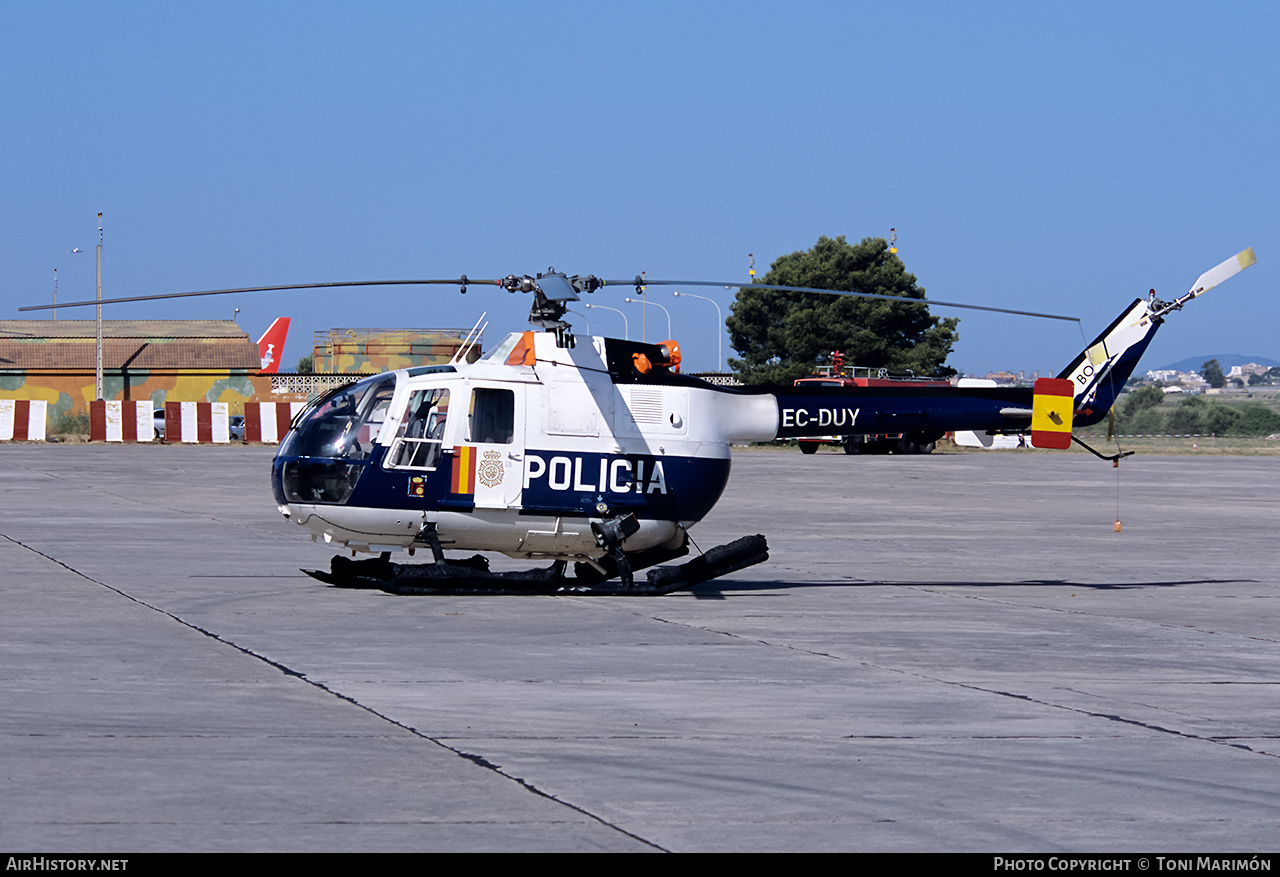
1230	268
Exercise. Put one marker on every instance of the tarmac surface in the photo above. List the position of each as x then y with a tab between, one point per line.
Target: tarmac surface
945	653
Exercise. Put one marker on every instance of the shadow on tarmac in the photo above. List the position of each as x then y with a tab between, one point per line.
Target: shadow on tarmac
720	589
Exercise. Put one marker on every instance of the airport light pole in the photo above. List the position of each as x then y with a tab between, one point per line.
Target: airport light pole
626	326
653	304
719	327
98	369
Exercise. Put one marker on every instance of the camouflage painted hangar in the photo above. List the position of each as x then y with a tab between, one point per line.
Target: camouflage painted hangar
373	351
190	361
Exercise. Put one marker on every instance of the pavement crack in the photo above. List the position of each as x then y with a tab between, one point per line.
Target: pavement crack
476	759
1115	717
1231	742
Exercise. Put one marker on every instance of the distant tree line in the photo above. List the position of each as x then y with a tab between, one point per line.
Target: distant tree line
1143	414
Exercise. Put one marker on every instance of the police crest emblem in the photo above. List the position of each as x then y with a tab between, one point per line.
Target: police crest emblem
490	469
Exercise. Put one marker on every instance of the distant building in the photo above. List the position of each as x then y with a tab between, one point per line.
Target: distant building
1009	379
160	360
372	351
1190	380
1002	379
192	361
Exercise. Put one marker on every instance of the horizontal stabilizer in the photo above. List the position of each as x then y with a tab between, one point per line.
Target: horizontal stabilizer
971	438
981	439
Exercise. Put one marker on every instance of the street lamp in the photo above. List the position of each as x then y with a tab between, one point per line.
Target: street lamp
655	305
719	327
98	354
626	327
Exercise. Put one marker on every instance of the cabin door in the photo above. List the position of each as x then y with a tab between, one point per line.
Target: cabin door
490	459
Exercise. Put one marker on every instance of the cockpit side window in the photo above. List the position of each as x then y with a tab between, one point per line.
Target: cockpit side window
375	416
421	434
344	424
492	419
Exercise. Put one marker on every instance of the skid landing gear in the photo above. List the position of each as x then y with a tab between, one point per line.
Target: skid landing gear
472	576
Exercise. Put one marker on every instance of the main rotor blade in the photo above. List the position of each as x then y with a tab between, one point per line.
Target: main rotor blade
897	298
466	281
460	281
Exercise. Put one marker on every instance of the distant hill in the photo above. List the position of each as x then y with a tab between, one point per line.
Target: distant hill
1226	360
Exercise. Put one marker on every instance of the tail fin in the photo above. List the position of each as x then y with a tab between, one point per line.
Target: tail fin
271	345
1099	373
1101	369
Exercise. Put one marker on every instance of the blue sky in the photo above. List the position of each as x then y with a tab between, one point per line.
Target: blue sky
1047	156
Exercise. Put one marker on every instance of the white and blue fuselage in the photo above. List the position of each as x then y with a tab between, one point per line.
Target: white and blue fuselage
521	451
517	453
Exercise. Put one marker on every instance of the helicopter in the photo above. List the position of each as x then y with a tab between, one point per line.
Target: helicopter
598	452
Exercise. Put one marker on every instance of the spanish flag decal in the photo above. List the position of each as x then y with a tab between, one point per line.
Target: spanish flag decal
1051	411
464	470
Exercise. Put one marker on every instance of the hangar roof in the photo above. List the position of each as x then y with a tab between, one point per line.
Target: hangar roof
29	345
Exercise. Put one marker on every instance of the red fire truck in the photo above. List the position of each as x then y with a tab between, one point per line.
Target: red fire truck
839	375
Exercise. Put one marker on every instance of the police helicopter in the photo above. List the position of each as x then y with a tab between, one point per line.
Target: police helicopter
599	453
